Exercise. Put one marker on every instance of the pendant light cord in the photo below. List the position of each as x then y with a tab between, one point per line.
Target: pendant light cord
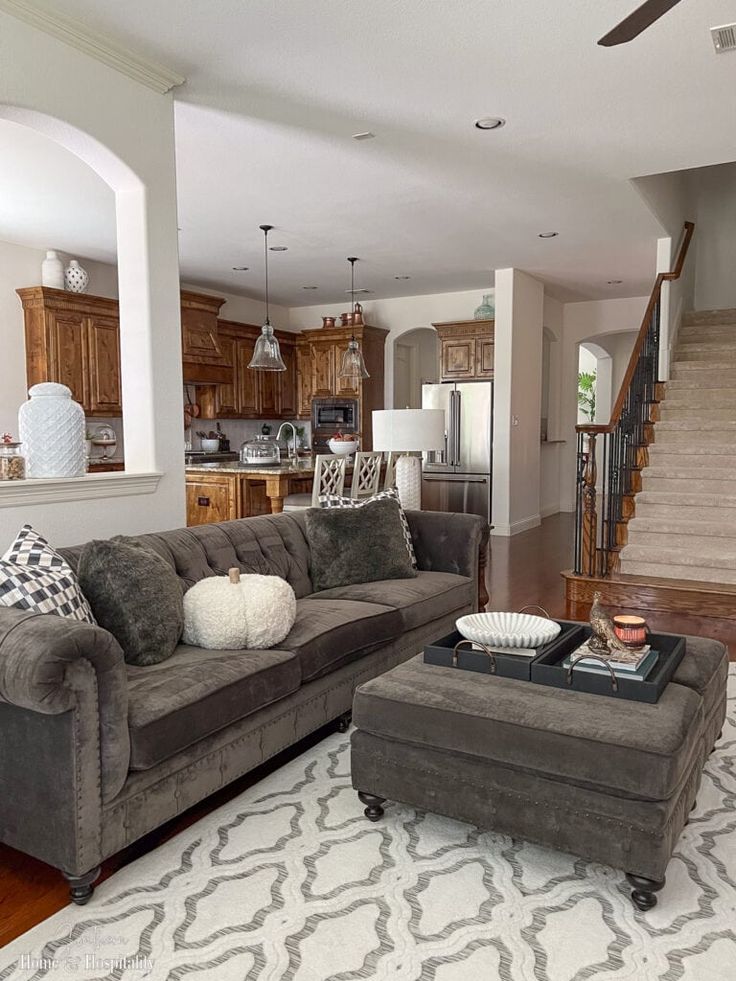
266	229
352	259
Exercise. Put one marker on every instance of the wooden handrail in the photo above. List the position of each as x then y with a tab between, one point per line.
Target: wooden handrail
641	337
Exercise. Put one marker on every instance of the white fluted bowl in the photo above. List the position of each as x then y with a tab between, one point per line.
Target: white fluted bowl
341	447
507	629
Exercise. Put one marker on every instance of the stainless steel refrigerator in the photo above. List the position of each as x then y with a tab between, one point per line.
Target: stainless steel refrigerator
458	478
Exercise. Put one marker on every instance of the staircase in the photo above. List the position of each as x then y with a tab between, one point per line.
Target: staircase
685	513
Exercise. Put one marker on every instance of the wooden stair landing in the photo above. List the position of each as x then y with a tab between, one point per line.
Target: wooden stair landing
683	597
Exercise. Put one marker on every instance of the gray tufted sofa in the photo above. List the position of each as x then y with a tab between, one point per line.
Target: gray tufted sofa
95	753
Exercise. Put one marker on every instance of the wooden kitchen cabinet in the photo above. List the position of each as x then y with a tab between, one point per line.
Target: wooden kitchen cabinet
466	350
74	339
212	497
319	356
288	383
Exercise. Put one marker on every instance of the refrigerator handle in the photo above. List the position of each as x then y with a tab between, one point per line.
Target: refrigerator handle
458	404
453	429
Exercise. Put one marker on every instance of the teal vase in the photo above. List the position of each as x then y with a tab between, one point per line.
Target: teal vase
487	309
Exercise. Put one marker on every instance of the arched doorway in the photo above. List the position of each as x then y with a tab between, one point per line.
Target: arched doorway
415	363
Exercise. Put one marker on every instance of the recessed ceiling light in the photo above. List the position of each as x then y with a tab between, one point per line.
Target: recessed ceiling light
364	136
240	269
402	277
548	234
615	282
278	248
310	287
490	122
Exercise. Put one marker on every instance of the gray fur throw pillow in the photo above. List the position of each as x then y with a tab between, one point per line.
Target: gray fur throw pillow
136	595
355	545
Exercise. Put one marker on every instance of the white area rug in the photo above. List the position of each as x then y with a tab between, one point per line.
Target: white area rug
290	881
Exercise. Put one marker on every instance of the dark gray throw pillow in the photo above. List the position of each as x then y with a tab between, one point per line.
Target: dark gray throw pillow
136	595
357	545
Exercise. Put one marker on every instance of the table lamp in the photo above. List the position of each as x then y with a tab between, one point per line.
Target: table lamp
409	431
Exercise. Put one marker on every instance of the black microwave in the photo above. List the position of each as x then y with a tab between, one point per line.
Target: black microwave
333	414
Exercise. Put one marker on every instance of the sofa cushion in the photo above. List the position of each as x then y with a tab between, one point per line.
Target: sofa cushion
197	692
331	632
428	597
629	748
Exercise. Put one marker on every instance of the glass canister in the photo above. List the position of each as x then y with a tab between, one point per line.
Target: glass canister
487	309
12	462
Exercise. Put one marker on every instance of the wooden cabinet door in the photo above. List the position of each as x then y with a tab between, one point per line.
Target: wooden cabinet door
303	381
289	408
227	395
323	369
199	339
484	348
255	499
247	380
269	393
458	358
209	502
105	394
68	362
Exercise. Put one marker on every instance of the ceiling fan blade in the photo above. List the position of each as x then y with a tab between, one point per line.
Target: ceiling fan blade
642	18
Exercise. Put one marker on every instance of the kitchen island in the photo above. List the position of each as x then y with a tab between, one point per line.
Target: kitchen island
226	491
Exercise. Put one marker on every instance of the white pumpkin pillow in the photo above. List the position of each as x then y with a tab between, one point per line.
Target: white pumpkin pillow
237	611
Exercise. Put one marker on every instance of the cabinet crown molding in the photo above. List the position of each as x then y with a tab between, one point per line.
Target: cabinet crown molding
143	70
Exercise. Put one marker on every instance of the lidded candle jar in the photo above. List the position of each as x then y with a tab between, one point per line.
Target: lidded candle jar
12	462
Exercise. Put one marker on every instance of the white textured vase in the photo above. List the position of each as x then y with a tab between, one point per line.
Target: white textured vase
409	482
52	271
52	429
76	277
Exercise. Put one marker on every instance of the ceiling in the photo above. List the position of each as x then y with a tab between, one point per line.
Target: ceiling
275	92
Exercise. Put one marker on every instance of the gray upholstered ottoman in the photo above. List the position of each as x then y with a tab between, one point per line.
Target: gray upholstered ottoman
607	779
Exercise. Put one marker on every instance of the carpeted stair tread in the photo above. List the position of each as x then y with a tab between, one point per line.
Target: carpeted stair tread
697	317
696	425
693	457
678	523
698	504
699	398
673	413
713	485
700	473
671	570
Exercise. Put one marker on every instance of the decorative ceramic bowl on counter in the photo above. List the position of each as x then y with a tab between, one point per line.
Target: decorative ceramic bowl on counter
343	446
508	629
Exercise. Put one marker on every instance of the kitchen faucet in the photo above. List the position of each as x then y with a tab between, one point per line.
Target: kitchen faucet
291	453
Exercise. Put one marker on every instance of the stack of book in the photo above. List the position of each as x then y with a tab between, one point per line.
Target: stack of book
634	664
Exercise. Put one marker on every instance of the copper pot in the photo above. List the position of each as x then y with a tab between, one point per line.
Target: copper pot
358	315
328	321
346	319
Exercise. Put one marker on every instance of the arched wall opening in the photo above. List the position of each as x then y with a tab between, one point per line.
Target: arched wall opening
125	132
415	362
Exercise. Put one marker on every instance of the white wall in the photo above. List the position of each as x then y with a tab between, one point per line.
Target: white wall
125	132
715	237
245	309
398	315
586	320
517	402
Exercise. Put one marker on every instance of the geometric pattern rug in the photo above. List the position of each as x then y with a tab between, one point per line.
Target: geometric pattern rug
290	881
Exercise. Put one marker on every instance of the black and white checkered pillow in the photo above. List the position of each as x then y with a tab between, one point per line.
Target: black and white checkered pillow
33	576
391	494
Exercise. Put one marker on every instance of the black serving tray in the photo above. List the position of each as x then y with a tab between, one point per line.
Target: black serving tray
547	669
507	665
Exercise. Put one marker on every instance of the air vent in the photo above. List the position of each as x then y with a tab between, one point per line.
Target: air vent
724	38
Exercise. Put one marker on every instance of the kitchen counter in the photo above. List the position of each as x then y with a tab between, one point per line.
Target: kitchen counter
304	468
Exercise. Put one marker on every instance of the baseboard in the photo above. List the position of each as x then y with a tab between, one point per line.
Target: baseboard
549	511
516	527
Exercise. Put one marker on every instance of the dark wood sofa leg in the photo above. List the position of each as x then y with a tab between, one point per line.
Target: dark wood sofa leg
642	895
343	722
373	810
81	887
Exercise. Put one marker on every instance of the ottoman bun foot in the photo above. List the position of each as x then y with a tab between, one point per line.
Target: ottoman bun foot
642	895
373	810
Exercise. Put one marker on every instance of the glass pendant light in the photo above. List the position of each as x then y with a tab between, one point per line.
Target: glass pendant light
353	365
267	354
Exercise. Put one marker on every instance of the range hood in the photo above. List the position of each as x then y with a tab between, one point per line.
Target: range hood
202	360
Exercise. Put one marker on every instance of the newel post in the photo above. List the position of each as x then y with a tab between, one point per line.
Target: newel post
590	516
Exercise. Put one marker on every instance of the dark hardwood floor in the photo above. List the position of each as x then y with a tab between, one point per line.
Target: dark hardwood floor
522	570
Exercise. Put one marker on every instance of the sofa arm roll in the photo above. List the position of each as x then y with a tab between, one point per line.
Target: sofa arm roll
51	665
448	542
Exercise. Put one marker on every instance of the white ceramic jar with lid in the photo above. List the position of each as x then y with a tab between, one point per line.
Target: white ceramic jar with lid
52	431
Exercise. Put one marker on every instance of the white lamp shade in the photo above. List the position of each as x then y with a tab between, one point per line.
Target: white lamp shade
408	430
